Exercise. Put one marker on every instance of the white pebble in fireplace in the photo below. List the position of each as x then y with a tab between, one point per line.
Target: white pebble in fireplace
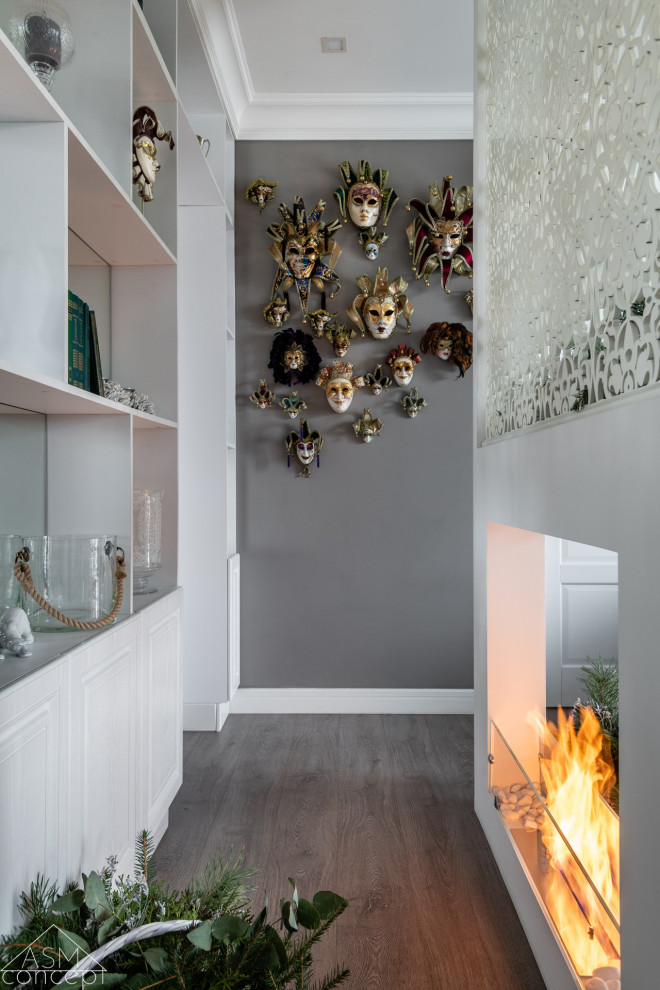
519	803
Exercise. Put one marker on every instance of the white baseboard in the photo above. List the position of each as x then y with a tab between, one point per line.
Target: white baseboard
353	701
205	717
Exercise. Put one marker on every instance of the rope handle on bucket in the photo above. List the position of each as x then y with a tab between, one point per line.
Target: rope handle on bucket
23	575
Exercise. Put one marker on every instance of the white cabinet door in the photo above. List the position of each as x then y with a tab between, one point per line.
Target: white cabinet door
160	714
103	750
33	785
582	614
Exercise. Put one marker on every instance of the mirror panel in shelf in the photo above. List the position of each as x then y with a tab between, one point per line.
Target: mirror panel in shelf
23	474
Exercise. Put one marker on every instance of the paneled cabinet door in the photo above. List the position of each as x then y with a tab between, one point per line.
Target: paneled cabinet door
103	750
160	713
33	785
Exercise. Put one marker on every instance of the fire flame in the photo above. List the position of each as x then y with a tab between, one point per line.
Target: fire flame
578	777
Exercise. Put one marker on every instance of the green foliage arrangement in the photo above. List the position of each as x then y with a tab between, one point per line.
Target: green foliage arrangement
600	679
144	935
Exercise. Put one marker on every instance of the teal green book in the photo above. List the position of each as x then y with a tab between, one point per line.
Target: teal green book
86	354
76	341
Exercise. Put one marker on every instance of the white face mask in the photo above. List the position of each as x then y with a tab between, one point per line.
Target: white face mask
339	394
145	152
402	369
305	451
379	315
364	204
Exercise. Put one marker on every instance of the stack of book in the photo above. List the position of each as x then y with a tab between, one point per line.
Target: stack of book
84	357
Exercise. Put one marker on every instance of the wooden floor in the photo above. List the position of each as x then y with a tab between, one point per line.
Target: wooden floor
376	808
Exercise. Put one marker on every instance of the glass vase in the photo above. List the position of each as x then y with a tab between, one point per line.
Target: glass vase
147	541
10	589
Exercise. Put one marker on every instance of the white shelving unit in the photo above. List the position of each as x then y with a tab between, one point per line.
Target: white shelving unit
75	221
160	281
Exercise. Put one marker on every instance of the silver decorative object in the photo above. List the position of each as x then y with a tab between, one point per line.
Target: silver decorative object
15	634
127	396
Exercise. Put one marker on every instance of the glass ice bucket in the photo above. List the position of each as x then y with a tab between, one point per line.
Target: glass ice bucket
75	574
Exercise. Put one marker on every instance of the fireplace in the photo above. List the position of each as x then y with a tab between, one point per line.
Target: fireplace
563	832
566	836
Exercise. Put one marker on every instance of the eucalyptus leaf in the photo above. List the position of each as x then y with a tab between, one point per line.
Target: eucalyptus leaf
73	946
157	959
289	917
96	897
307	915
228	928
71	901
108	928
327	903
277	944
201	936
295	891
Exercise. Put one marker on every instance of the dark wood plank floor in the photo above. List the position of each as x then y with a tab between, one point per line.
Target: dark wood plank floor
376	808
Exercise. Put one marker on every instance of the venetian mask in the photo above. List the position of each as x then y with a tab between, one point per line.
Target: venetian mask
301	255
319	319
364	204
449	342
365	200
262	395
301	242
147	129
340	337
371	249
260	192
339	384
294	358
446	237
305	451
381	302
276	312
145	153
306	444
292	405
440	235
376	381
402	361
366	428
412	402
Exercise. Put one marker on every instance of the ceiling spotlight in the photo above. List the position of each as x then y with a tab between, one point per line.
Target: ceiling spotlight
333	45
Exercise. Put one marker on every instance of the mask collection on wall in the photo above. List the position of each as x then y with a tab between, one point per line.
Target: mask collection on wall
306	253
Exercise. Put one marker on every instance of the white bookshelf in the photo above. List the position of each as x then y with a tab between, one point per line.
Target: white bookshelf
72	220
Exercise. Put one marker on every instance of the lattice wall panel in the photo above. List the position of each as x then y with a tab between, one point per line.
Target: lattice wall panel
573	207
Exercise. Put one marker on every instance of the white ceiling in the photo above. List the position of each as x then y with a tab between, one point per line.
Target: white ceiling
403	75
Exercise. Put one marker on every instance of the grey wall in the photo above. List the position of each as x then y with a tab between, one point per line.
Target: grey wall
362	575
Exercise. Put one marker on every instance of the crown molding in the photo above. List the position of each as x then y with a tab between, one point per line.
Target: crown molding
239	50
324	116
214	24
366	116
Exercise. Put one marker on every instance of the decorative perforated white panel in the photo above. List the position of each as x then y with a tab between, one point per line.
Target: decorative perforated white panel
573	207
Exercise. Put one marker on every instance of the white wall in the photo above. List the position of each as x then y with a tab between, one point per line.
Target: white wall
528	481
592	477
